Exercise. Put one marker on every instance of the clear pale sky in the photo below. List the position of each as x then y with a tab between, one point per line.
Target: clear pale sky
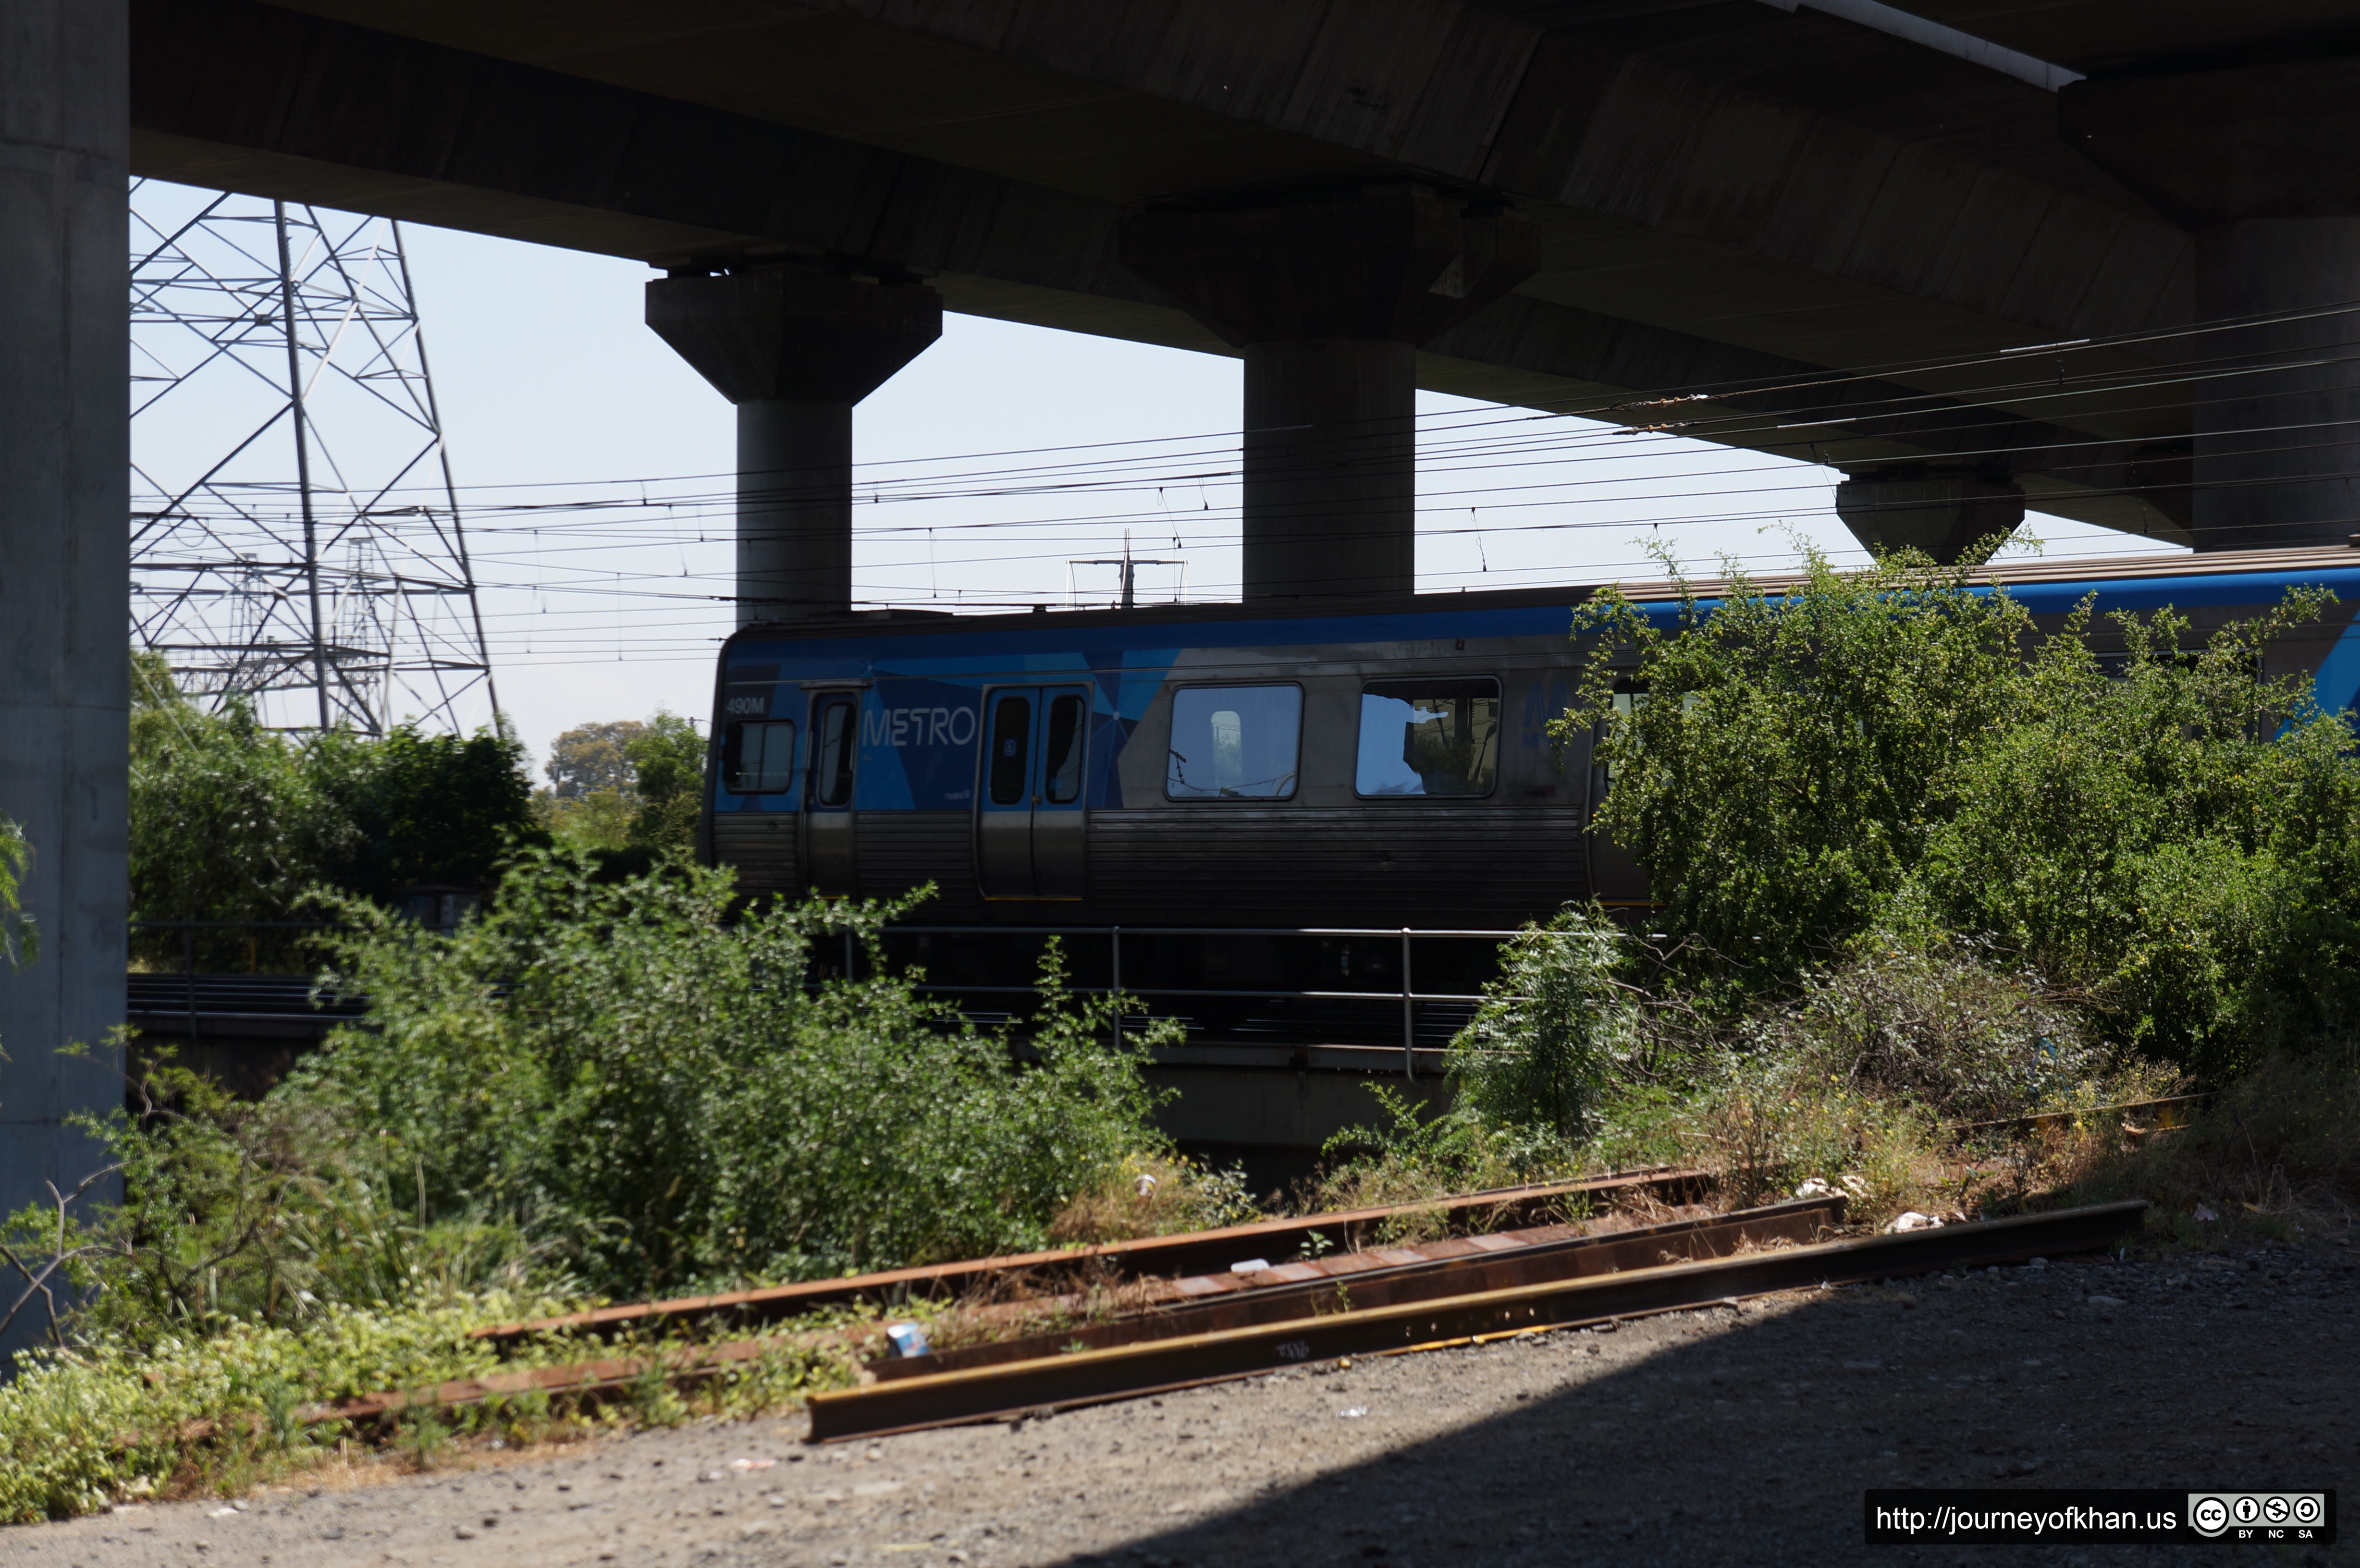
594	468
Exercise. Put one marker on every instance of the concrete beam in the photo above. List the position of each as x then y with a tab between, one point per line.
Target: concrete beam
265	99
2221	147
64	571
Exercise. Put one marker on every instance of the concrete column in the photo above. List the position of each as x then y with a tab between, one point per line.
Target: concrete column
2277	448
794	350
794	509
64	571
1330	467
1945	513
1327	299
2256	161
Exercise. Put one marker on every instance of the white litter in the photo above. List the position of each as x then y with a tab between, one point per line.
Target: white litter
1813	1187
1911	1219
1354	1413
1145	1186
1250	1266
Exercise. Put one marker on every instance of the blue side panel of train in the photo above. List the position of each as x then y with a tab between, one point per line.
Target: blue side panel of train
912	804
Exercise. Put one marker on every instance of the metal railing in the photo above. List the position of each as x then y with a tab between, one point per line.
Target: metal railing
188	929
1406	991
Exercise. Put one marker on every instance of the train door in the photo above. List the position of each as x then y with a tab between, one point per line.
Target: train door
1029	821
828	793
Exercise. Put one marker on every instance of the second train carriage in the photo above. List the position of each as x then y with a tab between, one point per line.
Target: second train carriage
1368	766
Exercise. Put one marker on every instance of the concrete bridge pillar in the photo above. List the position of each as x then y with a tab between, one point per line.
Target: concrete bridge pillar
2278	446
1946	513
2256	162
794	350
65	132
1329	299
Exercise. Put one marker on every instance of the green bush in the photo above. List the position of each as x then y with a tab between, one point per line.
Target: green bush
237	1212
1554	1031
641	1076
1779	760
231	822
18	938
108	1418
2175	842
1946	1030
2180	841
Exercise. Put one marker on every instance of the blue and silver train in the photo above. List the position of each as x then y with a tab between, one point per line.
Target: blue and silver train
1371	765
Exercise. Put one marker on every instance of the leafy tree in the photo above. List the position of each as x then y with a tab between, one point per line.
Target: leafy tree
2179	838
2175	840
232	822
425	809
668	775
228	822
1778	760
591	759
628	793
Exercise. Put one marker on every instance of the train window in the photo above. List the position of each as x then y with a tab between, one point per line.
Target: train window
1011	726
1428	737
1061	760
1234	742
836	726
757	756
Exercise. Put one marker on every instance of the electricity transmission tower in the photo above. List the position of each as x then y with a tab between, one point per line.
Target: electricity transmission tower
295	533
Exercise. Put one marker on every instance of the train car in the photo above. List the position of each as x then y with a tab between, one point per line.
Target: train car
1373	765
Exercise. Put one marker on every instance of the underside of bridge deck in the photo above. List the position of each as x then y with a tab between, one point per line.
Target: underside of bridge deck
1726	193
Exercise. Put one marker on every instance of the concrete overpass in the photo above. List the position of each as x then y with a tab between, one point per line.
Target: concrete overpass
1719	192
1813	213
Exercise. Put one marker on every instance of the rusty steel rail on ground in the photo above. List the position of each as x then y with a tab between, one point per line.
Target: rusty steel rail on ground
1195	1252
1391	1276
1388	1275
1092	1377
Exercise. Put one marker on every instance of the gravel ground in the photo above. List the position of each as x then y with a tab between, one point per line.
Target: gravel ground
1724	1436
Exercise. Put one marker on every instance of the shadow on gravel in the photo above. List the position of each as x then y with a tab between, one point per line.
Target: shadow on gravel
1751	1441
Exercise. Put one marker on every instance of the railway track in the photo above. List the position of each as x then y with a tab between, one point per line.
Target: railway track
1169	1256
1189	1317
1147	1365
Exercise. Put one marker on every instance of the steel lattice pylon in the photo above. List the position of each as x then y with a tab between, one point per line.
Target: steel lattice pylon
295	533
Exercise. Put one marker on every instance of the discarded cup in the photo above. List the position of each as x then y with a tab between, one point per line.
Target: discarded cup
907	1339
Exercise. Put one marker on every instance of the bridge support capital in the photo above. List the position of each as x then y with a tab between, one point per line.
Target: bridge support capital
794	349
1947	513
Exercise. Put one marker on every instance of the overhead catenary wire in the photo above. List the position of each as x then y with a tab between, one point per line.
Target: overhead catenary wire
1536	473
